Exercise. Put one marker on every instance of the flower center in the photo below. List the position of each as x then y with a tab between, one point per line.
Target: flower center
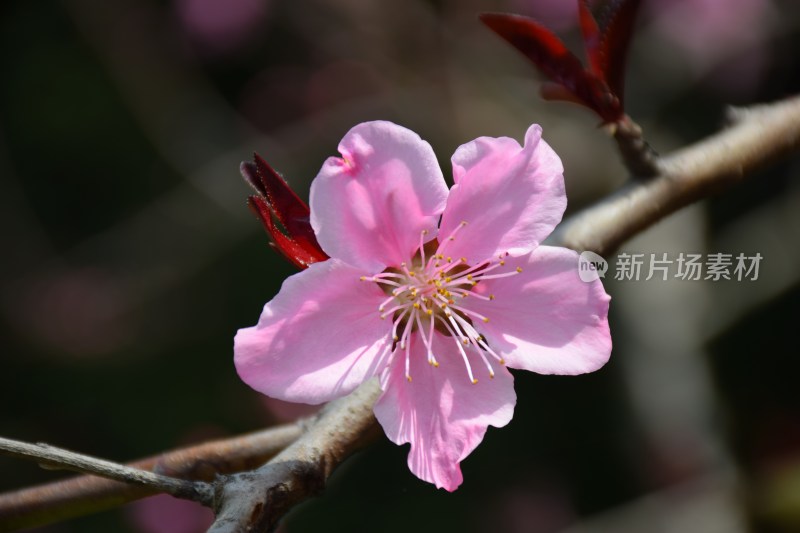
428	294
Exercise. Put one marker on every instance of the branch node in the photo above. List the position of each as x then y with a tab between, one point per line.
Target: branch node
638	156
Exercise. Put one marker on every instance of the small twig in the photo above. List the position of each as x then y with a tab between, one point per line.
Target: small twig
638	156
58	458
83	495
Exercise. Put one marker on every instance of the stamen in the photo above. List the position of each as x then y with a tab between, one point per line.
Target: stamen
408	272
405	342
495	276
386	301
404	338
450	238
427	341
428	287
388	282
453	235
491	352
408	362
422	245
470	313
485	265
393	309
472	294
396	323
461	350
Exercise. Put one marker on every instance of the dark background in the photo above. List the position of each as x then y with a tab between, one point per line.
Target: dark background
129	258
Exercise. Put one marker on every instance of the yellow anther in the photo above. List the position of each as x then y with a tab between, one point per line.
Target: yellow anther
519	269
363	278
465	341
449	259
451	302
463	259
486	319
424	232
491	376
416	305
502	361
474	381
412	273
396	338
408	378
383	317
469	277
448	280
491	296
502	262
435	364
429	311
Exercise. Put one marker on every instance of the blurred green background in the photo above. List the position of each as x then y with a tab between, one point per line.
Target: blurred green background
129	258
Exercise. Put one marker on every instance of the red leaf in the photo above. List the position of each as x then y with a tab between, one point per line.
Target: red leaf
549	54
289	209
540	45
301	254
616	30
552	91
276	199
591	39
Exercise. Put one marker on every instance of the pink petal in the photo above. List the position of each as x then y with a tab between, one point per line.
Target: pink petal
546	319
511	197
318	339
441	412
369	207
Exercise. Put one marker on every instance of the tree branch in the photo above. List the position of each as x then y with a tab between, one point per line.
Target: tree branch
255	501
83	495
58	458
758	135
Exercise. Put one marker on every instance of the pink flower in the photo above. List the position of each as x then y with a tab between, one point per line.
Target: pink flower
435	291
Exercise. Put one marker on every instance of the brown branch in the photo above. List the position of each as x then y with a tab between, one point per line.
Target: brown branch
51	457
83	495
757	136
255	501
638	157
